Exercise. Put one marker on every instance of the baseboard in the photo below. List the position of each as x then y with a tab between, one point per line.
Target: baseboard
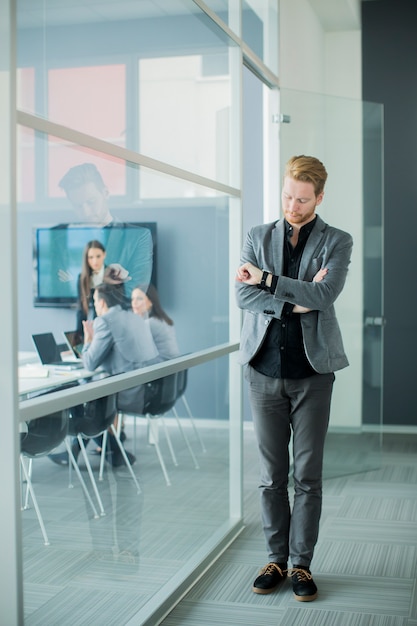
352	430
390	429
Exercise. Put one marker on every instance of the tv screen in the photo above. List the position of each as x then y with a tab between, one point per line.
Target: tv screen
58	252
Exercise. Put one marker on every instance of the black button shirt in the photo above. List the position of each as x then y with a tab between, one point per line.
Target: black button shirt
282	353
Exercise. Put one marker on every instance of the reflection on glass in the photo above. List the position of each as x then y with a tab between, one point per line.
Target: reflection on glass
61	161
164	240
185	104
118	340
260	30
26	182
191	251
25	89
221	9
105	116
176	100
98	69
111	539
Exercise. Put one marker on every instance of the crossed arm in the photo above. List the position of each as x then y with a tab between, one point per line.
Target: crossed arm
252	275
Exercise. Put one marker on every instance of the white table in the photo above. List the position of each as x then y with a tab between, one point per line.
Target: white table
27	357
33	385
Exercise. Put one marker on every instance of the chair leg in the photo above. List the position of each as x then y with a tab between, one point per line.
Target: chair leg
134	433
151	424
190	415
103	455
90	473
25	505
168	436
196	465
74	464
126	460
34	500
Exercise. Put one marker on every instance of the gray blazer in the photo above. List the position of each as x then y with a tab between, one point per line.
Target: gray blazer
326	247
122	342
165	339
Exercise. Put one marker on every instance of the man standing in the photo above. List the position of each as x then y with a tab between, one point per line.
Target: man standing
125	243
291	273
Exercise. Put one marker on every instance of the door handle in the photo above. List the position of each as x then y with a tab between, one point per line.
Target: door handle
375	321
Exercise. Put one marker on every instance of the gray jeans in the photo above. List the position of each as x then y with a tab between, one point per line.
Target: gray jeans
279	406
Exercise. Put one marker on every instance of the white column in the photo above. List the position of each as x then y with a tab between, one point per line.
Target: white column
11	601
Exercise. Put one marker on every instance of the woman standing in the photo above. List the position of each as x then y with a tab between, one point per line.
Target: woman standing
92	275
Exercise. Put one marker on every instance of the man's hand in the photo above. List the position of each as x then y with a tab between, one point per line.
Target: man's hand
88	331
320	275
316	279
64	276
249	274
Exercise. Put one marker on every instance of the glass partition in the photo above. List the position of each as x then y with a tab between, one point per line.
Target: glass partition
259	28
128	138
374	320
346	135
174	243
118	544
153	198
114	533
159	83
224	9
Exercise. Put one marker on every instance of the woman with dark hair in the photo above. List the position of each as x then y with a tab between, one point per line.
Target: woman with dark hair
92	275
146	303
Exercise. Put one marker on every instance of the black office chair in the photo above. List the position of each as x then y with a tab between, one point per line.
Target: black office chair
182	379
41	435
92	419
160	397
181	383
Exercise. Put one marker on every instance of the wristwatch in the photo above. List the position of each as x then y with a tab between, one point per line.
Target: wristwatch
262	284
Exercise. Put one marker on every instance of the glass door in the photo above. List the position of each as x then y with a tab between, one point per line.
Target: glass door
346	135
374	320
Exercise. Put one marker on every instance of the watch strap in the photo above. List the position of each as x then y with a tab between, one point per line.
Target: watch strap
262	284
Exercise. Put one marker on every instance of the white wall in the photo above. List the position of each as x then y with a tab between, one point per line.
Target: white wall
343	64
302	47
314	61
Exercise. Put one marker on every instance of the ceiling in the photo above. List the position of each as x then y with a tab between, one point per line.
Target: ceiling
32	13
335	15
338	15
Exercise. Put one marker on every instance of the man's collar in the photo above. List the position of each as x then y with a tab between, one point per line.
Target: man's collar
304	230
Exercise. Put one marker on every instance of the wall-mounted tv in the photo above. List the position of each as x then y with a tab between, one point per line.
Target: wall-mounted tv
58	252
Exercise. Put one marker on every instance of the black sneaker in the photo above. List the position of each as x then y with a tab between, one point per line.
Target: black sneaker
270	577
117	458
60	458
303	585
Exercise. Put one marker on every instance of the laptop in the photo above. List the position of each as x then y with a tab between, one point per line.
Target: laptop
75	342
49	354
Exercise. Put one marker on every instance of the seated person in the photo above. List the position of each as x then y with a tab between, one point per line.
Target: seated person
119	341
146	303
